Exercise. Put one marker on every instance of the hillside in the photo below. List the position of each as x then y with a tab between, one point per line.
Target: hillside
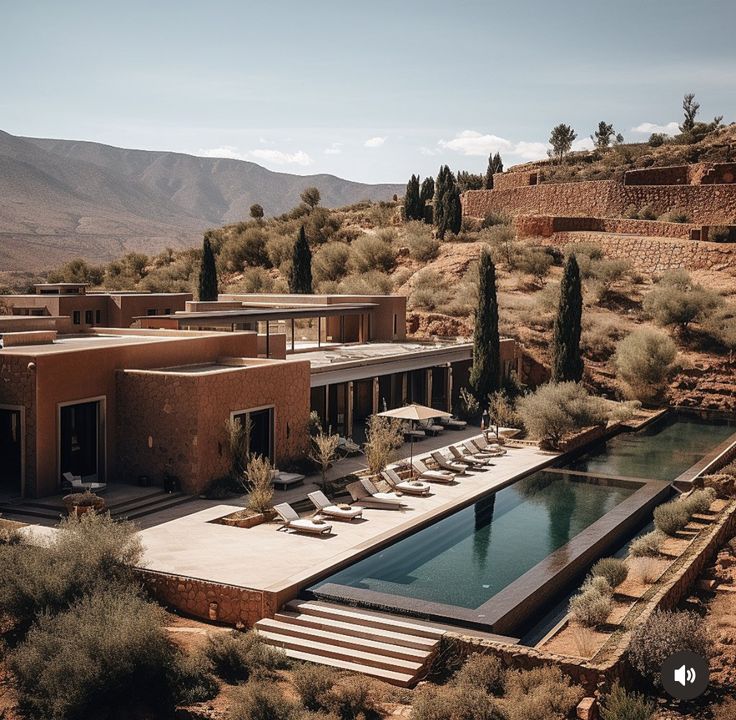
61	199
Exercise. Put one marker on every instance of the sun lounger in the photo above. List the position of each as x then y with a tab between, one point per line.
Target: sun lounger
494	450
365	493
348	446
471	461
423	472
411	433
78	485
429	427
410	487
292	521
285	480
472	450
446	464
325	507
452	423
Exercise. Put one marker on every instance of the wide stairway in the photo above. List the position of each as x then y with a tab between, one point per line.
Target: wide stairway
383	646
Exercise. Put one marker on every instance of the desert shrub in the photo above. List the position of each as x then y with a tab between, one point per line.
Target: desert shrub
371	252
699	501
312	683
383	437
83	662
675	216
721	327
647	213
482	671
262	701
191	678
455	702
330	262
656	140
543	692
623	411
606	273
430	291
598	584
721	233
258	472
647	545
280	249
321	225
645	569
235	656
676	301
254	280
599	337
644	360
246	248
89	553
584	252
353	697
671	517
590	607
555	409
494	218
614	570
374	282
534	261
418	238
665	633
622	705
723	483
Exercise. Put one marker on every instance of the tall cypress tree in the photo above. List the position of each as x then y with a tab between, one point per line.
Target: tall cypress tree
413	208
495	165
485	374
426	194
207	273
447	207
300	280
567	362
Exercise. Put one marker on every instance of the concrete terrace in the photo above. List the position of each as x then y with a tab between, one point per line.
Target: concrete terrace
261	558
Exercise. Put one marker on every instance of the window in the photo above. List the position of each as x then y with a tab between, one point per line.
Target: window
88	317
261	441
98	317
167	311
151	311
76	317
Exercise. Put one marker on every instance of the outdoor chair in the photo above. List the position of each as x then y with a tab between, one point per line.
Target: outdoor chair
446	464
485	447
410	487
423	472
291	521
78	485
285	480
430	428
472	450
411	433
365	493
471	461
338	512
452	423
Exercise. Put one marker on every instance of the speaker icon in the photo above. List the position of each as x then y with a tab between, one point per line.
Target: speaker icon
685	675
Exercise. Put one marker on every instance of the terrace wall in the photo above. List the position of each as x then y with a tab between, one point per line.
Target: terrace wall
695	174
547	225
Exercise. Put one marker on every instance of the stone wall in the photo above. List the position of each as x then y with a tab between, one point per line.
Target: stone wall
211	601
547	225
650	255
504	181
695	174
704	204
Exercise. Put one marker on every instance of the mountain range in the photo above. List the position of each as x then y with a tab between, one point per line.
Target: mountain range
61	199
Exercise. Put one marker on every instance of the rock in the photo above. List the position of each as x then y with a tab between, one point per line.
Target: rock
587	709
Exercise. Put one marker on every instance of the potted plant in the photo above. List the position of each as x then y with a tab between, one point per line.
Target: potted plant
80	503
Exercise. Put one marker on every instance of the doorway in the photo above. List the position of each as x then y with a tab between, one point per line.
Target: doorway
261	441
81	440
11	452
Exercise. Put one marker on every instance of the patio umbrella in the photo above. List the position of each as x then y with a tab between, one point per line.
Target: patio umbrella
414	412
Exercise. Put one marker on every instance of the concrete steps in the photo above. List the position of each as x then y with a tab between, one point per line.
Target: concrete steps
382	646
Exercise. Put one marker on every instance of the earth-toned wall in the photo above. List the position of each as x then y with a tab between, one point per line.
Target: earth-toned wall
547	225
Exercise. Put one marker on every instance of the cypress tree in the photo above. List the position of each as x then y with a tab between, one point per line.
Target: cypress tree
300	280
447	207
485	374
426	194
207	273
413	209
567	362
495	165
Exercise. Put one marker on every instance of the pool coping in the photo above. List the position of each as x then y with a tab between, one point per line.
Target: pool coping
507	609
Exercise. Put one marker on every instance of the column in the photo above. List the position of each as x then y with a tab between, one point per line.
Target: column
428	386
349	411
449	387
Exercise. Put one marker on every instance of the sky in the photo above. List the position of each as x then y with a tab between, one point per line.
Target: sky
367	91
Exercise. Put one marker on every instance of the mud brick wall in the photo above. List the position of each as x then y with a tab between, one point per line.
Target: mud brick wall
547	225
210	600
695	174
504	181
704	204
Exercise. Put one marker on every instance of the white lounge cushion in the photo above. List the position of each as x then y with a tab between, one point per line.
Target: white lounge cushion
323	504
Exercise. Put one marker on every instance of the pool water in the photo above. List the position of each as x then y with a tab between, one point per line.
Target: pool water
661	451
468	557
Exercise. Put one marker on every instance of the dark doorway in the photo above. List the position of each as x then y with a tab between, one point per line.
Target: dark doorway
80	437
318	403
337	408
261	432
11	439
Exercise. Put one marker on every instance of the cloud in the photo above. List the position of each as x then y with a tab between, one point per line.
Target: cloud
334	149
470	142
582	144
530	150
647	128
374	142
429	151
276	157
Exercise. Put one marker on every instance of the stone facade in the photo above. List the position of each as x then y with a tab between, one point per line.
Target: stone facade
695	174
704	204
504	181
547	225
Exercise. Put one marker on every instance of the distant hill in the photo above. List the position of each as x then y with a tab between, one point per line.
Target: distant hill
61	199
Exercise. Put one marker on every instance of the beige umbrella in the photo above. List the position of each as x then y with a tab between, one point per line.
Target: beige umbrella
414	412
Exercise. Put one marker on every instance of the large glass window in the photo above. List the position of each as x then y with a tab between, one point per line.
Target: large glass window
261	441
80	450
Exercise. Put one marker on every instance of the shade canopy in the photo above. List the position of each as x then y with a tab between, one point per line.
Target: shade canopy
415	412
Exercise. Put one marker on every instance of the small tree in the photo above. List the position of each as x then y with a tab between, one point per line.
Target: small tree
426	194
644	361
383	437
502	411
676	300
256	211
447	206
238	445
485	374
495	165
567	361
604	135
324	452
207	273
300	280
413	208
259	474
690	110
310	196
561	140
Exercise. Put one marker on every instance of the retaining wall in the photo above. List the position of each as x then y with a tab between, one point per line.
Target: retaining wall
547	225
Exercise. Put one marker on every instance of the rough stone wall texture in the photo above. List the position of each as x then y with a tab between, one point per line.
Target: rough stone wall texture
175	422
695	174
704	204
504	181
209	600
655	255
547	225
18	389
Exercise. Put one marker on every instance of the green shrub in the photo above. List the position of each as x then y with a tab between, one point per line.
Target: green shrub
371	252
591	607
312	683
614	570
422	245
262	701
671	517
675	216
330	262
368	283
599	337
597	583
494	218
455	702
235	656
430	291
676	300
534	261
191	678
622	705
543	692
482	671
661	635
280	249
647	545
644	360
254	280
699	501
246	248
83	662
353	697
